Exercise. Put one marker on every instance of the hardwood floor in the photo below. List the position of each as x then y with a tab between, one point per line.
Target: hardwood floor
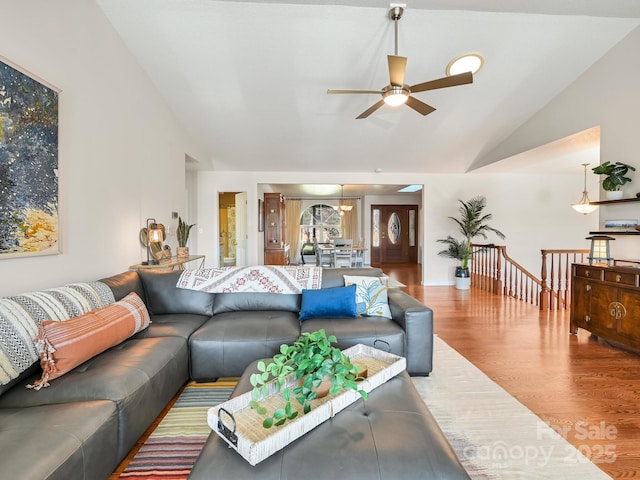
586	389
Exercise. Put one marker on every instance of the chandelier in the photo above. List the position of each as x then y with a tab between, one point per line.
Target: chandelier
341	207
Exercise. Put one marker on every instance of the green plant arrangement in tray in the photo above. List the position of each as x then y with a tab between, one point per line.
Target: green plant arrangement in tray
182	232
615	175
311	359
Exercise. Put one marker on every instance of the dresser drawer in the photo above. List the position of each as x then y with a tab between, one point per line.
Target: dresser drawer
586	271
621	278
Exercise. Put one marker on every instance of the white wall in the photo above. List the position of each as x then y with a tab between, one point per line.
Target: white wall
606	95
532	210
121	152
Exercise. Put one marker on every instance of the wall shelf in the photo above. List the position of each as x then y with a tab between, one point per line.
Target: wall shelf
609	202
615	233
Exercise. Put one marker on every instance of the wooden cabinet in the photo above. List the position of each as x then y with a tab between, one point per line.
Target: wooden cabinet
276	250
277	256
606	302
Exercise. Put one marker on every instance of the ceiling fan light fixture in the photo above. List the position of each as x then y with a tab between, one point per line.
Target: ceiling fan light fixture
469	62
396	96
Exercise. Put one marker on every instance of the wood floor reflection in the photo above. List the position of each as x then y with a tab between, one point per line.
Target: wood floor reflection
584	388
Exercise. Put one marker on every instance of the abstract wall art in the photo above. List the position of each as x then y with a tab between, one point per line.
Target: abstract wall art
28	165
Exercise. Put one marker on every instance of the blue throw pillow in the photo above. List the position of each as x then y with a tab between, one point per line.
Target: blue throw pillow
337	302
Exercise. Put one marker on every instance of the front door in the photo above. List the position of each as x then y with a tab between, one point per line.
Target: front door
394	234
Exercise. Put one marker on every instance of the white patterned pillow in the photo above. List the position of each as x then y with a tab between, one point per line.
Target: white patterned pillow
371	296
21	315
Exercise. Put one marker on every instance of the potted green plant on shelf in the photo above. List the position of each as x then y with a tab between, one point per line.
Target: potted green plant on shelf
615	177
472	223
182	234
312	360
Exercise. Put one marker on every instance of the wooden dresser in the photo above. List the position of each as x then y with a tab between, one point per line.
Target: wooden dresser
606	302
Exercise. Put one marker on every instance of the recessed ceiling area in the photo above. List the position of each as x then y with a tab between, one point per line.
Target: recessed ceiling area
334	191
562	156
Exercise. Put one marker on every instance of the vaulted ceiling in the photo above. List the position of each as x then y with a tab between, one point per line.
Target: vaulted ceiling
248	79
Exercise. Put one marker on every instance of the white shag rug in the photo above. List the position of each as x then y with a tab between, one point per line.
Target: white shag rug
493	434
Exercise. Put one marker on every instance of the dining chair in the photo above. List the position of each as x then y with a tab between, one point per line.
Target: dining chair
324	256
342	252
357	259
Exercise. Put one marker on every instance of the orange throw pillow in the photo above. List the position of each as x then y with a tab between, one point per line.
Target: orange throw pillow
67	344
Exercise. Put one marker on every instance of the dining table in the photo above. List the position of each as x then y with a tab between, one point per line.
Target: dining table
324	255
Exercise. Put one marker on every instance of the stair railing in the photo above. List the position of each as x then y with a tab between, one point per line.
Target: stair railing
493	270
556	277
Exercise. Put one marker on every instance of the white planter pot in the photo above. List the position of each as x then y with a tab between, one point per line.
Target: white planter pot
463	283
613	195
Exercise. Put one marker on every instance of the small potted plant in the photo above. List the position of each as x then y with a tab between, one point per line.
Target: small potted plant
312	360
471	223
182	234
615	178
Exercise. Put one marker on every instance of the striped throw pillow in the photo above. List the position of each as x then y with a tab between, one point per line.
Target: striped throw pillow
65	345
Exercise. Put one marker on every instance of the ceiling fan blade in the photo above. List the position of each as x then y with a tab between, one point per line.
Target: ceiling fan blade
419	106
452	81
371	109
333	92
397	68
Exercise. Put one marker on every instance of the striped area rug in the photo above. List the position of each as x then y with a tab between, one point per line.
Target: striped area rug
172	448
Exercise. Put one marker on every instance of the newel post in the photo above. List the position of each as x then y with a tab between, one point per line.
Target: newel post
544	292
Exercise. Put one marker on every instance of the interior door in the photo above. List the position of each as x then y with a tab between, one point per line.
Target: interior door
241	229
394	234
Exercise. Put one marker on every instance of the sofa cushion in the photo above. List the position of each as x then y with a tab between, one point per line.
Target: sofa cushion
334	277
65	345
378	332
228	342
371	296
139	375
173	325
124	283
163	297
243	301
59	442
336	302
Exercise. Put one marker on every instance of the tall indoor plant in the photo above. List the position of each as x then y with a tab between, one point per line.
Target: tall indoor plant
182	234
472	223
615	177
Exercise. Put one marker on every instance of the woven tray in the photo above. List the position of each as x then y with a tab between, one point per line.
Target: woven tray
242	426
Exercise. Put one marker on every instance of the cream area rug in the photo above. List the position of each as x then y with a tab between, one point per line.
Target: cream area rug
494	435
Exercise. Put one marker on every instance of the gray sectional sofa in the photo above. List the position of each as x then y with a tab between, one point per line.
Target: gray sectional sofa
86	421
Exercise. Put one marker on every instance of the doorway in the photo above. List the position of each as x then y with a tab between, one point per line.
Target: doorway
232	225
394	234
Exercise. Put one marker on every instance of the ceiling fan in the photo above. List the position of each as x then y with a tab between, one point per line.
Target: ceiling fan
397	92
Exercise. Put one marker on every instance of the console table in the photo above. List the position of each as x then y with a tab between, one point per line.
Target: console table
606	301
171	263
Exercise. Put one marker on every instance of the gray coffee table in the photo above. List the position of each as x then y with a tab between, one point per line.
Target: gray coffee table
390	436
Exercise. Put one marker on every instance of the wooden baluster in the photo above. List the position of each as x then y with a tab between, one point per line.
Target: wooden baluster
497	283
544	295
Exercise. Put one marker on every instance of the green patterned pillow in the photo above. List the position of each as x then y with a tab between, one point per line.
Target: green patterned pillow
371	296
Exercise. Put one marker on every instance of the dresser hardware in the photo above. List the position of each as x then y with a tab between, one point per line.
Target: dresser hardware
617	310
